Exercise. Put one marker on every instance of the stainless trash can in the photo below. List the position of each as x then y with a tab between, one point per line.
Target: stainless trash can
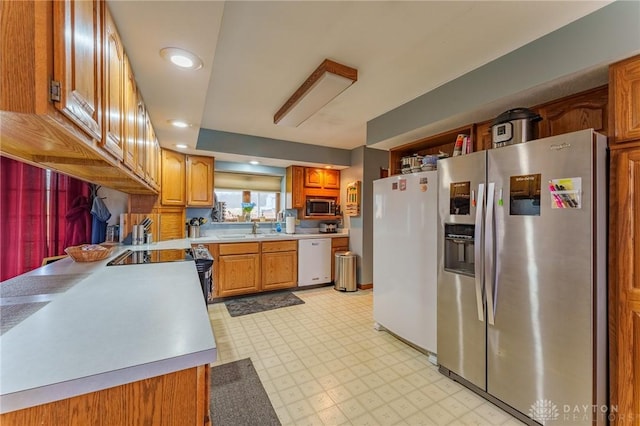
345	272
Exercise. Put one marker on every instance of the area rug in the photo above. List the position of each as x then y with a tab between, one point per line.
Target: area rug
238	397
261	303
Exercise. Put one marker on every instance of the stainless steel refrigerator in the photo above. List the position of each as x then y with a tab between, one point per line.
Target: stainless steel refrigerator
522	276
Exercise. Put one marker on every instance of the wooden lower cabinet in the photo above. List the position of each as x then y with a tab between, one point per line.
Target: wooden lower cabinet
279	264
337	244
174	399
246	268
238	269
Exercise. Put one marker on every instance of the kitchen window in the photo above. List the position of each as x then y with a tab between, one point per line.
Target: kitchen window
265	203
255	195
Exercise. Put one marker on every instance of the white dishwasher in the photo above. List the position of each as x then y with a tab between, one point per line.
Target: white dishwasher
314	261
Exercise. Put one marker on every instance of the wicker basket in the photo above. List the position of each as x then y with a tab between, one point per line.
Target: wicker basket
88	252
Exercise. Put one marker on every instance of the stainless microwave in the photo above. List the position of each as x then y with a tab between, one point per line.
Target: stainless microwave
321	207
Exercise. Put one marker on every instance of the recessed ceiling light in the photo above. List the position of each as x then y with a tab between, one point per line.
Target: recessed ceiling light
181	58
181	146
254	162
328	167
179	123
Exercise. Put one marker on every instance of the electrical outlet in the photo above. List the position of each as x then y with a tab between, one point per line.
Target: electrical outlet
297	222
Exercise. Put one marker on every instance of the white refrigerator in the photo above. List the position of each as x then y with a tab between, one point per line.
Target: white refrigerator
405	220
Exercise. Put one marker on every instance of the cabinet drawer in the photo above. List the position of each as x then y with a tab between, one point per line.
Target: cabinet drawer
239	248
273	246
340	242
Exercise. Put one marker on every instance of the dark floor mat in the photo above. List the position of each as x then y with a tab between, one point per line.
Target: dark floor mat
238	397
261	303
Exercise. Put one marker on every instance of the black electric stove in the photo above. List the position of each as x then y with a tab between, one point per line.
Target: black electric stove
130	257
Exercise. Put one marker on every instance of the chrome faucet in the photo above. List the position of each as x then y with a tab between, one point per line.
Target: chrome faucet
254	228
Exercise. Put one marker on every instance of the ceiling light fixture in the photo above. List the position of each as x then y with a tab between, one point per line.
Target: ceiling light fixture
254	162
325	83
181	58
179	123
181	146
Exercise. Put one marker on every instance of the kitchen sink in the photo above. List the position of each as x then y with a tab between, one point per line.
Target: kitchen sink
233	236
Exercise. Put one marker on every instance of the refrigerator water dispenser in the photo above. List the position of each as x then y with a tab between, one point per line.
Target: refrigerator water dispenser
459	249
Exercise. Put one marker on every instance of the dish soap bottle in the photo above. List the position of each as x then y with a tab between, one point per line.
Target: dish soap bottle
278	227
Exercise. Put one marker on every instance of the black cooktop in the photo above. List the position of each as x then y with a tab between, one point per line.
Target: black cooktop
130	257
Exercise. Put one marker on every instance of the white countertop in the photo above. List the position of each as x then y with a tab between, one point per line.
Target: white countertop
236	237
118	325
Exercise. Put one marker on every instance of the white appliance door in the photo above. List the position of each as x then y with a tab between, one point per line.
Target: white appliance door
461	313
314	261
542	303
404	256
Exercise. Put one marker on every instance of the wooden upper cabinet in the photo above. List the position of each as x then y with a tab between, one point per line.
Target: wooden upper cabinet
153	158
624	92
131	116
173	179
332	179
321	178
484	137
587	110
77	37
113	86
199	181
313	178
141	137
295	187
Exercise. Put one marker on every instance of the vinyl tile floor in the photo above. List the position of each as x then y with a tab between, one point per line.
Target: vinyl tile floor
323	363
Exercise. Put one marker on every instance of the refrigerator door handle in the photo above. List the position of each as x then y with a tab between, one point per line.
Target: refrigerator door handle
489	260
478	272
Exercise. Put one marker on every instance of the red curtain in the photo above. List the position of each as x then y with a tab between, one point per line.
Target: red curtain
22	199
34	221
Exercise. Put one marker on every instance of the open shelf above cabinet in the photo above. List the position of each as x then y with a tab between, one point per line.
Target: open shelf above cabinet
431	145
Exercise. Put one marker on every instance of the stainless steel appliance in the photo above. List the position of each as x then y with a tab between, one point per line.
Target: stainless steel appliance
137	257
321	207
522	276
327	228
514	126
203	260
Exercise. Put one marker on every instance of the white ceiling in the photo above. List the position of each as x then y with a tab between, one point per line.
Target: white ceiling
257	53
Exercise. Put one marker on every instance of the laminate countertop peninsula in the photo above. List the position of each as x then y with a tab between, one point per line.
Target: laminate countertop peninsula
96	326
247	236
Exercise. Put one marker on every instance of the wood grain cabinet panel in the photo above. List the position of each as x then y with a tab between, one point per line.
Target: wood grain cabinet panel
174	399
239	274
624	86
77	35
624	281
199	181
588	110
279	270
279	264
295	187
173	178
313	178
321	178
484	136
113	86
130	117
63	65
172	223
332	179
